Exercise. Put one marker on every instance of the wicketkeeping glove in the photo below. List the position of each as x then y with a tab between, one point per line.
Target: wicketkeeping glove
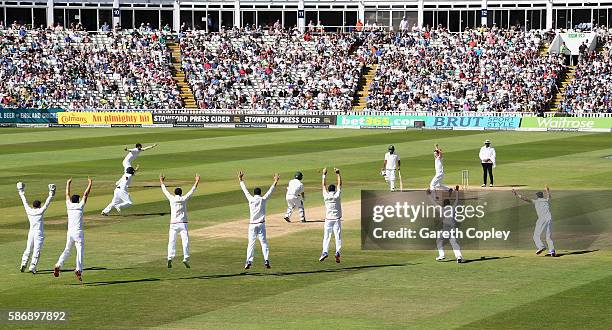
20	186
51	189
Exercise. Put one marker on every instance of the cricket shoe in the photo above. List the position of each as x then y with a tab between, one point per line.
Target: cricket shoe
440	258
337	257
33	271
490	185
169	263
303	220
78	275
323	256
484	185
267	264
459	260
539	251
104	214
186	263
247	265
22	269
56	271
287	219
553	253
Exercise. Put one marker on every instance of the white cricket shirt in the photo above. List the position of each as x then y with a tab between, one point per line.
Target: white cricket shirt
35	215
178	205
295	188
392	160
333	207
124	182
542	206
257	204
131	155
75	215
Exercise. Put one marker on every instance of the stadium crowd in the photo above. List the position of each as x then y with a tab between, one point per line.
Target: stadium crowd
275	69
484	69
589	90
479	70
72	69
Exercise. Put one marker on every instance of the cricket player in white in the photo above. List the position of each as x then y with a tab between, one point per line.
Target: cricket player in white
391	164
487	157
436	182
333	215
75	235
36	234
448	226
544	222
257	220
295	197
121	196
133	153
178	219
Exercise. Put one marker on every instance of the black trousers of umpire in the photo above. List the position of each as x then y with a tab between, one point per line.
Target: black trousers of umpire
487	167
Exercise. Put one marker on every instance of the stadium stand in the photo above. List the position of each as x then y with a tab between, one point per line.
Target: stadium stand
74	69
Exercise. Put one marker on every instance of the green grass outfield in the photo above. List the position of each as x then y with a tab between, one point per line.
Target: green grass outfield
127	284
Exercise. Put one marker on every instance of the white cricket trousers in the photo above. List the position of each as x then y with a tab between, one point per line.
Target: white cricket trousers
452	241
33	247
390	177
121	199
436	182
295	202
76	238
257	231
175	229
334	226
541	226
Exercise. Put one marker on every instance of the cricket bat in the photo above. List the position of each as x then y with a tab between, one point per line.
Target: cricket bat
399	173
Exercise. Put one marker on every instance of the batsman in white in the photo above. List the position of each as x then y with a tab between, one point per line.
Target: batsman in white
133	153
257	220
121	196
544	222
75	235
391	165
36	234
449	224
436	182
178	219
295	197
333	215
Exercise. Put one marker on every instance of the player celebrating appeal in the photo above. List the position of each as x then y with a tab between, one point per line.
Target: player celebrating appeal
36	234
75	235
391	164
544	222
448	225
257	220
178	219
295	197
333	215
121	196
436	182
133	153
487	159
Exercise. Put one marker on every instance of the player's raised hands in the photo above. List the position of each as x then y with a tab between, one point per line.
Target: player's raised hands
197	178
240	175
161	178
276	177
69	181
325	171
336	170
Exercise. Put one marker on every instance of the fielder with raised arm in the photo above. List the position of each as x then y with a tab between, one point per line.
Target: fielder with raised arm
333	215
257	220
178	219
544	222
391	165
133	153
121	196
75	235
36	234
449	224
295	197
436	182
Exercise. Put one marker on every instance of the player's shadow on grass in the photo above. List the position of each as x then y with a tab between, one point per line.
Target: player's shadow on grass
467	261
569	253
89	269
216	276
